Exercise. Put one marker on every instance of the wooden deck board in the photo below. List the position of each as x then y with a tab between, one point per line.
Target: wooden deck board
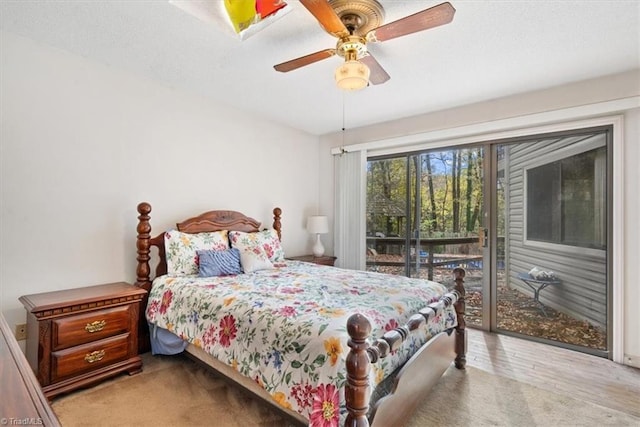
578	375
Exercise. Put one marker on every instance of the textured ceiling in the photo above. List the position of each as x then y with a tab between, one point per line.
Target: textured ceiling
490	50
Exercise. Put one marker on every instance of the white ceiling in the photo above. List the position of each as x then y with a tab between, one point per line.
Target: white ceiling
490	50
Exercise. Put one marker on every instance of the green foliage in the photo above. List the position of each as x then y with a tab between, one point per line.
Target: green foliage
442	189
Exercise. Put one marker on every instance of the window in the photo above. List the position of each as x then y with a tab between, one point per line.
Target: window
566	199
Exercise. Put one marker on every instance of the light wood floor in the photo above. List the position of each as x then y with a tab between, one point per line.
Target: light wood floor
578	375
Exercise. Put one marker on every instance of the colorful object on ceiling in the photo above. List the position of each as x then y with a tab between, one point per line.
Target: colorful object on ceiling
242	18
245	13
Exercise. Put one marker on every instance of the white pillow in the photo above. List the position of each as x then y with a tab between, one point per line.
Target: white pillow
539	274
255	260
266	240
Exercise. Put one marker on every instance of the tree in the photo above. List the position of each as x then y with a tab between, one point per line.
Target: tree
456	170
477	178
444	190
386	194
433	222
417	200
469	189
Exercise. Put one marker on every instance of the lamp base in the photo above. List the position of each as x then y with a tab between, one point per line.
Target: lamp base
318	249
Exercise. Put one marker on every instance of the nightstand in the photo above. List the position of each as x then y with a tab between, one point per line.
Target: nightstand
77	337
323	260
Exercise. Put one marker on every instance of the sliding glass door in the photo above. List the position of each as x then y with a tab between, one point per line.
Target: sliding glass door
528	220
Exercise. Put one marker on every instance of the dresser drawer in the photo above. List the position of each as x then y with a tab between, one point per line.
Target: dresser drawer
84	328
88	357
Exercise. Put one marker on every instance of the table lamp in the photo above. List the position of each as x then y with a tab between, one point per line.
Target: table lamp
318	225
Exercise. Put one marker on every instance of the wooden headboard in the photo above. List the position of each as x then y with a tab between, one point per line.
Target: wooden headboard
206	222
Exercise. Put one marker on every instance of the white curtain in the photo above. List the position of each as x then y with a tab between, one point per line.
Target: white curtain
350	205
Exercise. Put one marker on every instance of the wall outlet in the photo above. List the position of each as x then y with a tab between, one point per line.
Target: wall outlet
21	332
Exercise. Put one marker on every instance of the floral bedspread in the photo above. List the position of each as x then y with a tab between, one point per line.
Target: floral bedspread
286	327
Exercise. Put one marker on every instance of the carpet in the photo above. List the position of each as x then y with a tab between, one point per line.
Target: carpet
174	391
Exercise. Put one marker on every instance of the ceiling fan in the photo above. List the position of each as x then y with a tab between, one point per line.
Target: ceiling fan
356	23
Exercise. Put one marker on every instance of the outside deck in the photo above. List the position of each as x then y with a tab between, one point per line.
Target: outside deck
428	258
517	311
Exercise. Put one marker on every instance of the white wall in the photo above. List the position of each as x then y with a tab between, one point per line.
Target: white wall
82	144
520	112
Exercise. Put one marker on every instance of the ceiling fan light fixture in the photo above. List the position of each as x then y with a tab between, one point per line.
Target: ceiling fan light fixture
356	23
352	75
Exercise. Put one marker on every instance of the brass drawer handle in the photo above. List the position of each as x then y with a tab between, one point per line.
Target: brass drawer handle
96	326
94	356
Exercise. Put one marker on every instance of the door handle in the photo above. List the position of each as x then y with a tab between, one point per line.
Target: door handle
484	236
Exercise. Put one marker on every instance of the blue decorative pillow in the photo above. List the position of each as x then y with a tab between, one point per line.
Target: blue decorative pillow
219	263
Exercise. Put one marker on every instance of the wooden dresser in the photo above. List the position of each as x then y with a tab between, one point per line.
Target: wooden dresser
322	260
22	399
77	337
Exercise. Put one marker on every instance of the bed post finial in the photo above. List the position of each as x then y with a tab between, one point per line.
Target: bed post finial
143	246
356	392
460	306
276	222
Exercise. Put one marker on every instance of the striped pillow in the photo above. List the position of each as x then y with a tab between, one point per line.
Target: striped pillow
219	263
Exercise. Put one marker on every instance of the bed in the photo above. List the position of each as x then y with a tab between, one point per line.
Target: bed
326	346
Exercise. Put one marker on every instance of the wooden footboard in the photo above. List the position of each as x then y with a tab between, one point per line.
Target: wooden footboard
419	374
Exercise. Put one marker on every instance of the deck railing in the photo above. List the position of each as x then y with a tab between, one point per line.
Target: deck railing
424	248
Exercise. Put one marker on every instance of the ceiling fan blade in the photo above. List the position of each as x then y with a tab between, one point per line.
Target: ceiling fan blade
428	18
377	74
327	17
304	60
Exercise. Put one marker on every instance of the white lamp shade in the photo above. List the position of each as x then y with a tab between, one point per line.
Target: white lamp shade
318	224
352	75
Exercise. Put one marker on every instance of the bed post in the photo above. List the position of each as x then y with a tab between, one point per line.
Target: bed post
143	245
461	337
276	222
356	392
